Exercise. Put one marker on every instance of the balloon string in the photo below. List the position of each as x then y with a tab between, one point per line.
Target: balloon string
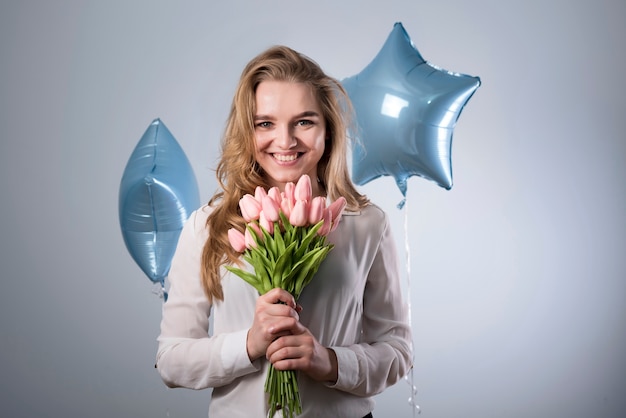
407	248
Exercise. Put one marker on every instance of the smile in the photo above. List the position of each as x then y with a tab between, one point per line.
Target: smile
285	158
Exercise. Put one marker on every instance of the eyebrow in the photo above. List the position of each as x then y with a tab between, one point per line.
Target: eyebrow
305	114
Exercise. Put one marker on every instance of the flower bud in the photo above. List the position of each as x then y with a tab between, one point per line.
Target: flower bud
328	220
270	209
250	208
303	188
266	223
286	207
299	214
250	242
237	240
289	194
337	207
274	193
336	210
316	209
259	193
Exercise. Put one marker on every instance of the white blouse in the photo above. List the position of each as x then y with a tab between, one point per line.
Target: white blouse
354	305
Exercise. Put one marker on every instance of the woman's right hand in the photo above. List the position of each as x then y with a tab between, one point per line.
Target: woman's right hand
275	314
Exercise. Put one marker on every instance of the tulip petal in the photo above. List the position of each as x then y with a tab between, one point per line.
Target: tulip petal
326	226
337	207
303	188
266	223
237	240
249	239
270	208
285	207
290	190
250	207
299	214
316	210
259	193
274	193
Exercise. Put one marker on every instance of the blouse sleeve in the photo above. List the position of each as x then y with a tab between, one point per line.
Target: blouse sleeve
187	356
385	355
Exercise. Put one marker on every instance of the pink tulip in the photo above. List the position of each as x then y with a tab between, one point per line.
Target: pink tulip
266	223
237	240
336	210
286	207
303	188
274	193
250	242
299	214
337	207
325	229
289	194
270	209
259	193
316	209
250	208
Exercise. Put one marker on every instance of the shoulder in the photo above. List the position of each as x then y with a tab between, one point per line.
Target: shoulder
369	213
198	218
201	214
370	220
362	232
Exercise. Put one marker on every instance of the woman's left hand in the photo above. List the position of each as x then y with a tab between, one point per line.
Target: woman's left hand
301	351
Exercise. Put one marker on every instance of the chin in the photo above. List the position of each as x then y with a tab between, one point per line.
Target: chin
284	178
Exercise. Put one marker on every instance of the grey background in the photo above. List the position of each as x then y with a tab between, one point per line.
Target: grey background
516	283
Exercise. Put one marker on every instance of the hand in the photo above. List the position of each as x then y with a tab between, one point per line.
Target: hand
275	315
300	350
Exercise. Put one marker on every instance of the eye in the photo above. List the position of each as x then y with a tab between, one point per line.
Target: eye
304	122
264	124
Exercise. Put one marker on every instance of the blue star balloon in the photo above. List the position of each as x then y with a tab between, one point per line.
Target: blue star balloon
158	192
406	110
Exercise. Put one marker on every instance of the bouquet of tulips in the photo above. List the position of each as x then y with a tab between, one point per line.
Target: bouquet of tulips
285	242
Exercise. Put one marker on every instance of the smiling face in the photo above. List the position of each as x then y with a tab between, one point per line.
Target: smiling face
290	132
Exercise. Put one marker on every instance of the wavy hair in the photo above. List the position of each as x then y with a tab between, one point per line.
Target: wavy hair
238	172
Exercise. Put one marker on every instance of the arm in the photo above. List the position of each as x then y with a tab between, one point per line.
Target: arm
187	356
385	355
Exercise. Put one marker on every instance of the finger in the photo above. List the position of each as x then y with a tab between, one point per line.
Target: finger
282	348
279	310
283	326
280	296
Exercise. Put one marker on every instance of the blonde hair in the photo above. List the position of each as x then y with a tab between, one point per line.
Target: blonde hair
238	172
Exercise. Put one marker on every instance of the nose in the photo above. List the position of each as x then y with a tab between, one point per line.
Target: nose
285	137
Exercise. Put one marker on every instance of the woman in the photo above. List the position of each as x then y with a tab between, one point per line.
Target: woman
348	335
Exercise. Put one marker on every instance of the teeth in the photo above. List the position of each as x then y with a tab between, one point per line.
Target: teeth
285	158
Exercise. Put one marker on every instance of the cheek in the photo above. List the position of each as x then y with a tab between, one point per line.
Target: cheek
261	142
320	142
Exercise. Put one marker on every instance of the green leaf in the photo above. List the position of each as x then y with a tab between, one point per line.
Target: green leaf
270	245
289	229
278	237
305	242
283	264
308	270
250	278
263	269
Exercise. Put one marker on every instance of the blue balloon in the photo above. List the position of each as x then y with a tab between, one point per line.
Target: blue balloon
406	110
158	192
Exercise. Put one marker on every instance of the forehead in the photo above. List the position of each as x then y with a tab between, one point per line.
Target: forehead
285	96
